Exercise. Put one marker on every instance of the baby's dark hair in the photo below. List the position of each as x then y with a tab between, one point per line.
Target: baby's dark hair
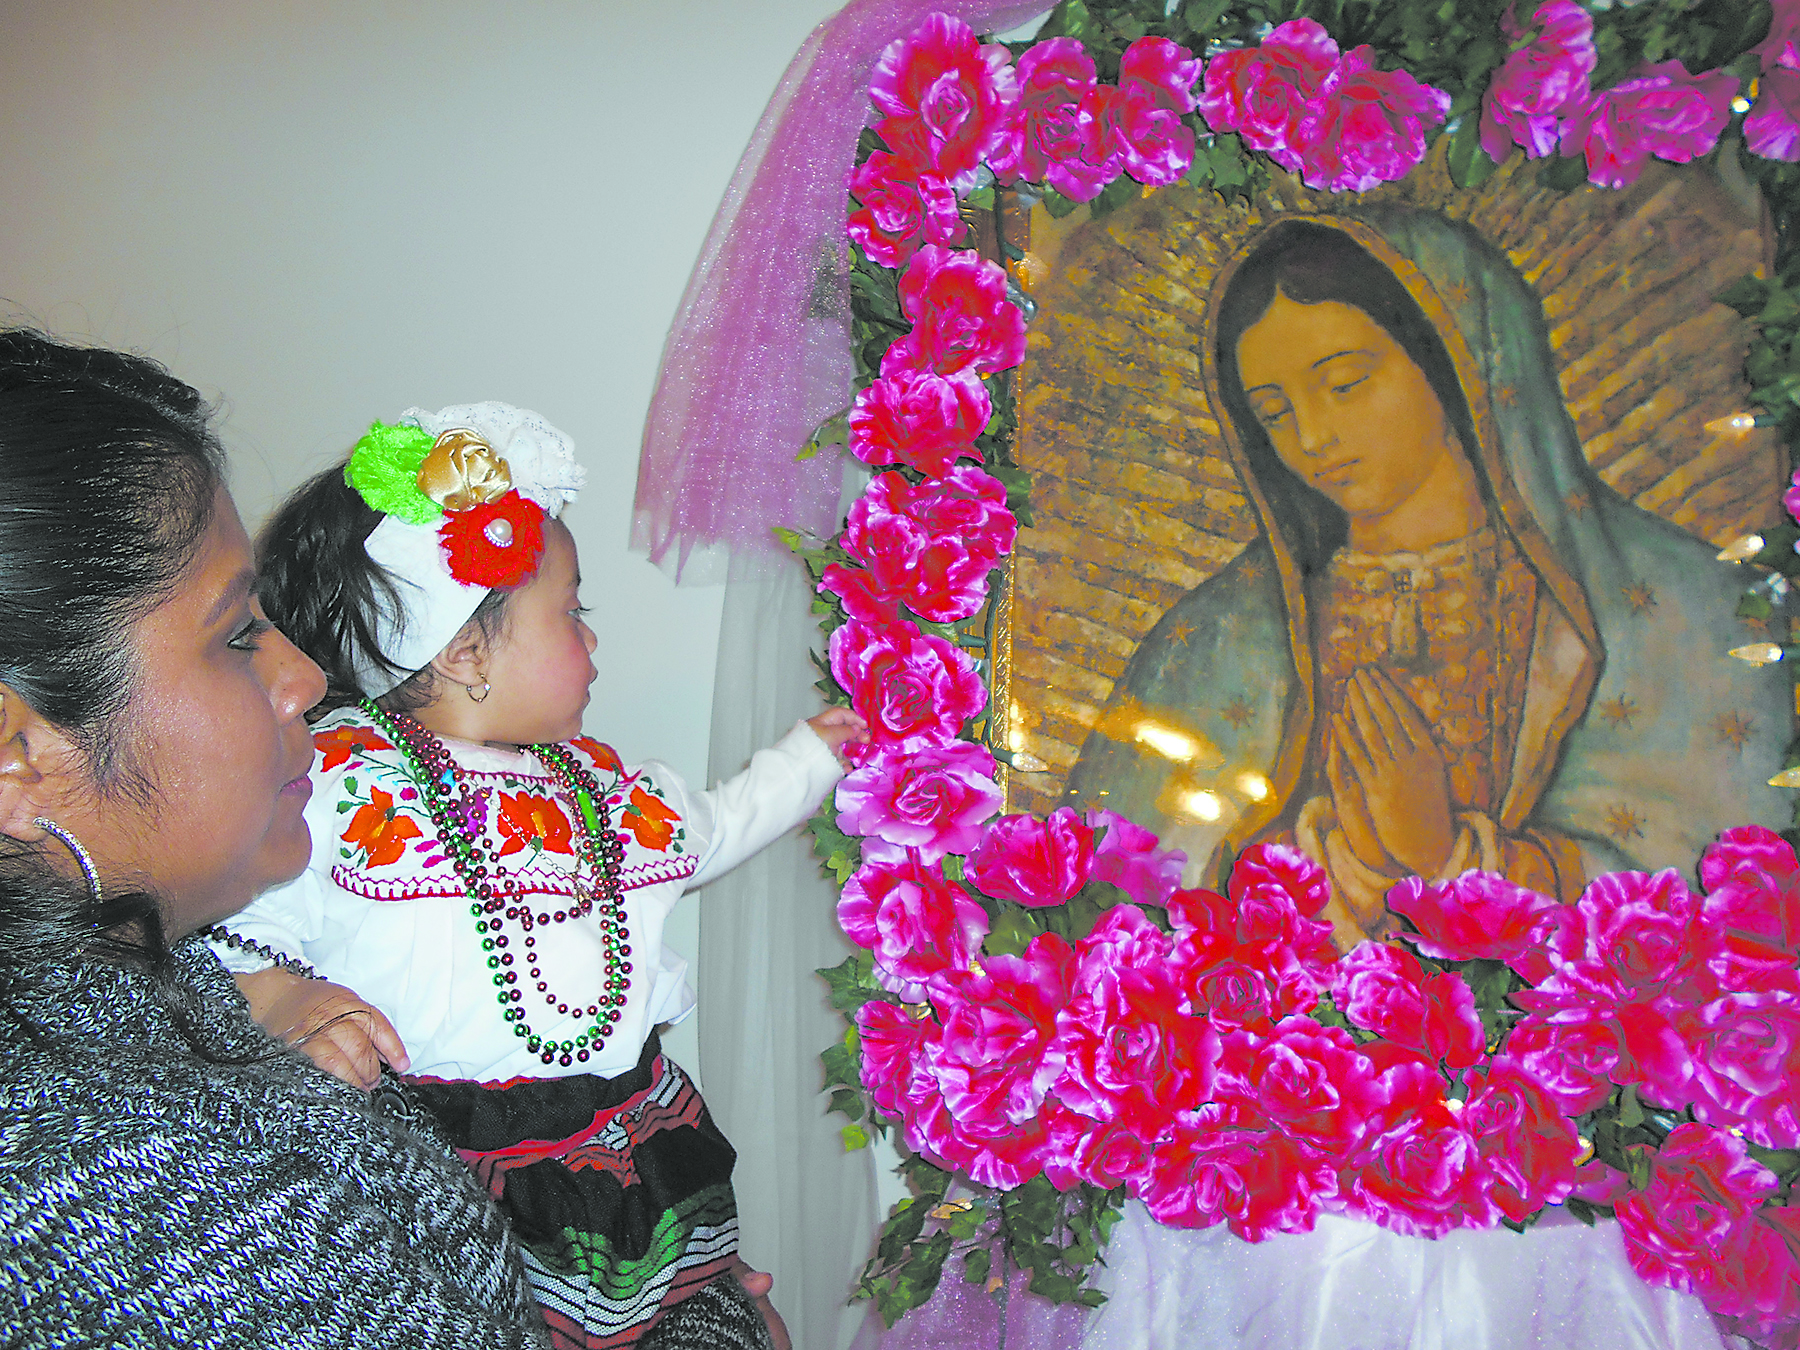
321	588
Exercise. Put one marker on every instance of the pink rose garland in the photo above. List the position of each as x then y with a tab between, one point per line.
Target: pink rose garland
944	98
1338	121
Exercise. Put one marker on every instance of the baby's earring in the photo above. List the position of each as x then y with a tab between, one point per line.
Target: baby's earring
474	697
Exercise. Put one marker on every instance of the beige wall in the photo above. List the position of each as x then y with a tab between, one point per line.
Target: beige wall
324	211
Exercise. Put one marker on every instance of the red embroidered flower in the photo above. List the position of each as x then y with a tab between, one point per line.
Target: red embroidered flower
340	743
495	544
601	753
379	830
527	819
651	820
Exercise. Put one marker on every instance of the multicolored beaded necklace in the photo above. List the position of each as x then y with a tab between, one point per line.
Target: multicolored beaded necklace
495	902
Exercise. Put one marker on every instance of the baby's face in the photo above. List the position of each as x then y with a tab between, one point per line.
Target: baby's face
542	663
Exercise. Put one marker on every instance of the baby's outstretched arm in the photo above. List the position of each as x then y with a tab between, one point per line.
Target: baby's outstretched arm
337	1030
839	727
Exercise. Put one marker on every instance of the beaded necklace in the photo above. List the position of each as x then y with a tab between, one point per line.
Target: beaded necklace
494	902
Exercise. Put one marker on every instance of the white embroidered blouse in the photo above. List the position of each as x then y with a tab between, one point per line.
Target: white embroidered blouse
381	909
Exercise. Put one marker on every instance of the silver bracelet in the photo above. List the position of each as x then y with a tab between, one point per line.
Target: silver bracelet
218	933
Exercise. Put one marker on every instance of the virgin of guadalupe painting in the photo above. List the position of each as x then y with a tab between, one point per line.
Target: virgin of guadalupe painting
1446	642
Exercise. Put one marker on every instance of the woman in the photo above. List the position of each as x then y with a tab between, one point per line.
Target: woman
168	1174
1452	647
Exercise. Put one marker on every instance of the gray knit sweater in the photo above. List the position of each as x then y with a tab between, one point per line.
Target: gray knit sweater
151	1198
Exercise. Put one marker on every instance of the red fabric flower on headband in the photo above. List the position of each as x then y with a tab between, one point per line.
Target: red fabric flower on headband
495	544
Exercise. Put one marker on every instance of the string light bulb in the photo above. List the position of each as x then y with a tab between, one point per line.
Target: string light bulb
1742	549
1735	425
1758	653
1787	778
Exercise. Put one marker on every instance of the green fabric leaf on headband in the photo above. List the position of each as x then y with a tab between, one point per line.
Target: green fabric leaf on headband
384	468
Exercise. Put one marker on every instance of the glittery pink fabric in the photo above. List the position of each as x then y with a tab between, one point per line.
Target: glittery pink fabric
759	353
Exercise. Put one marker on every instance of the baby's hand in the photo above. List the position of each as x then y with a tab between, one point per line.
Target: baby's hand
337	1030
839	727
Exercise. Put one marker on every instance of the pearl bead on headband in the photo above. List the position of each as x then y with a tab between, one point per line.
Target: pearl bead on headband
465	492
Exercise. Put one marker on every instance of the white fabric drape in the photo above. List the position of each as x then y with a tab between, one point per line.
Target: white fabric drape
807	1208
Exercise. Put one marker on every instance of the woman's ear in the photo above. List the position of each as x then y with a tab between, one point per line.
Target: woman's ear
464	660
36	760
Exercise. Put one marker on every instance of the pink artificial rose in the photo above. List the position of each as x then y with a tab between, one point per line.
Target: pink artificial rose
918	418
1126	856
1530	1147
1263	92
1162	70
1769	1281
1281	866
1772	129
1694	1229
1106	1155
1571	1058
1001	1155
956	300
1753	898
862	598
1539	82
1478	916
1664	111
1312	1083
1156	83
894	1043
1639	937
1366	126
1747	1051
934	800
1000	1051
1384	989
1259	1183
914	689
944	98
1123	938
1133	1054
1424	1178
1034	862
1232	994
917	923
900	208
1043	138
1781	47
933	545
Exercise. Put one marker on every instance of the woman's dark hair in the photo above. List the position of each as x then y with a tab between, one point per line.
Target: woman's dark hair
108	474
320	587
1308	264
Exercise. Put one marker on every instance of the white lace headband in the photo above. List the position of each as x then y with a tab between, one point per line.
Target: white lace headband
465	492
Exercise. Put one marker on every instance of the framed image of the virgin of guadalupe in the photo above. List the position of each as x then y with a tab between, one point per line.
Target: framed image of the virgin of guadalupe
1386	525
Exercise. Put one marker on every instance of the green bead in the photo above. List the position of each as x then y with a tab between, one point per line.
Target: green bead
493	963
487	944
475	911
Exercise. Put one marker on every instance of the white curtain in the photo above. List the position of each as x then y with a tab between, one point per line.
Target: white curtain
807	1208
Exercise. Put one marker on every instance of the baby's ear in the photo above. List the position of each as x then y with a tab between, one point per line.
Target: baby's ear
464	661
35	762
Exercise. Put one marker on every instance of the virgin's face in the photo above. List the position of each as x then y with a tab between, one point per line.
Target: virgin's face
1344	406
213	744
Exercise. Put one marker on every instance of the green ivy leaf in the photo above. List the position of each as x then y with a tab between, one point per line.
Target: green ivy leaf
854	1137
976	1264
1470	165
1011	933
1563	175
1115	194
1058	205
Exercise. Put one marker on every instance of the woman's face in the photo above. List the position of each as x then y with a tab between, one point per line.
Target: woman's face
213	751
1345	407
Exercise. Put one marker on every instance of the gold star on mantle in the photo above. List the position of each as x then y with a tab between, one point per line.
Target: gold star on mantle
1624	823
1578	503
1238	712
1734	729
1639	596
1180	633
1619	710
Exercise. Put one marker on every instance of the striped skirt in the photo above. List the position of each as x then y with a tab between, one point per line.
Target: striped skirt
619	1190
